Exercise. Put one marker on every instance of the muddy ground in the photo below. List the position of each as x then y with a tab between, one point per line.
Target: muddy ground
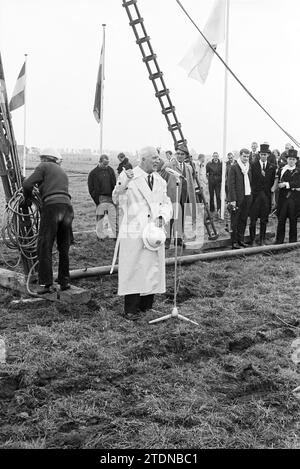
86	377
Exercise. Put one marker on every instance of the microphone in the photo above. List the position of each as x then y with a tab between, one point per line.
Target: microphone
174	173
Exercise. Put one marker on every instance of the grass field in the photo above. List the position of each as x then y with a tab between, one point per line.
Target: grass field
85	377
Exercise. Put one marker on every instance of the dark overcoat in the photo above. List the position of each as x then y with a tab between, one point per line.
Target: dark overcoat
262	182
293	178
261	190
236	185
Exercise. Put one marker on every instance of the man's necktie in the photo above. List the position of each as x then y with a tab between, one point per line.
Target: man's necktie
150	181
264	166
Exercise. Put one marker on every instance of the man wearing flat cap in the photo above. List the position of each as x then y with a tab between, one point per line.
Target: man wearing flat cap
288	198
263	176
186	190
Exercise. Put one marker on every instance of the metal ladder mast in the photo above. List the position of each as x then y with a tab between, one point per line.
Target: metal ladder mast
163	95
10	169
155	74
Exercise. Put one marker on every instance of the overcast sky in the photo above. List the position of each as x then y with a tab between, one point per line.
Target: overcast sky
63	39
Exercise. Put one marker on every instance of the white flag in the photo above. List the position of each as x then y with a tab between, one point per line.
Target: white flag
198	59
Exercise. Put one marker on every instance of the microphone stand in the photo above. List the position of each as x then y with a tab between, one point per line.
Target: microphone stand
175	313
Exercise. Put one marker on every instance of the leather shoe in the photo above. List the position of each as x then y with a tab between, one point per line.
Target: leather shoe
250	243
43	289
235	246
65	286
242	244
180	242
132	316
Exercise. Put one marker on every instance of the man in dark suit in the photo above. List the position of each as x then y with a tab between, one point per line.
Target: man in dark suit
288	199
254	154
239	197
263	176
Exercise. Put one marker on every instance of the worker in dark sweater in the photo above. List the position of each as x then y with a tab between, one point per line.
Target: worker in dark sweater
56	218
101	183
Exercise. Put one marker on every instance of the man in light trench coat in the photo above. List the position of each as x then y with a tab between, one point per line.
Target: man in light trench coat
142	193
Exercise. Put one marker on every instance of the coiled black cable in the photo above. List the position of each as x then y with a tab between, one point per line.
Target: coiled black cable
20	225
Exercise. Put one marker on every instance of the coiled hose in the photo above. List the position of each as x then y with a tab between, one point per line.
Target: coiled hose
20	228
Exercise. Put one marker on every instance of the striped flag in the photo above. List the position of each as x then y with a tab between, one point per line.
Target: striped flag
198	59
18	96
99	88
3	94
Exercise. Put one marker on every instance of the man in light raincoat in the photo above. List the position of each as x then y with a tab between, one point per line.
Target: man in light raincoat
142	194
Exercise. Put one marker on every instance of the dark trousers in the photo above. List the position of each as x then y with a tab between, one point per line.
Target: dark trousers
214	187
135	302
260	208
239	219
287	210
56	223
170	225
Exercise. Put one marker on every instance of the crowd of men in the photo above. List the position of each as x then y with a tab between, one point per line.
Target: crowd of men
147	207
259	182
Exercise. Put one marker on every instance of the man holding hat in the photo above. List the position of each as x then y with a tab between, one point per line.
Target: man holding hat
56	218
146	209
263	176
288	198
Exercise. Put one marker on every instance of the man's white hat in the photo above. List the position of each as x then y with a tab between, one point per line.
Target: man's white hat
51	153
153	237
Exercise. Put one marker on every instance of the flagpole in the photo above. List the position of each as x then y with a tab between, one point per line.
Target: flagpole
102	92
24	144
223	195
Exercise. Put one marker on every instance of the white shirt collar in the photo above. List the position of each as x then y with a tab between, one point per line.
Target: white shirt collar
139	172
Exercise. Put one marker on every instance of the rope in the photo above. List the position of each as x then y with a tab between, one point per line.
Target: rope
32	293
237	79
20	226
285	323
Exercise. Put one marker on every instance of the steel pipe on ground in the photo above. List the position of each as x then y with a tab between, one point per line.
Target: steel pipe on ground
189	259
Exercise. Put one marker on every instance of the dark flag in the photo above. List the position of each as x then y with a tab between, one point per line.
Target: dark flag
99	88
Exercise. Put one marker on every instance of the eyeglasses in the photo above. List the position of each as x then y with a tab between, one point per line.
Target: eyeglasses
180	153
